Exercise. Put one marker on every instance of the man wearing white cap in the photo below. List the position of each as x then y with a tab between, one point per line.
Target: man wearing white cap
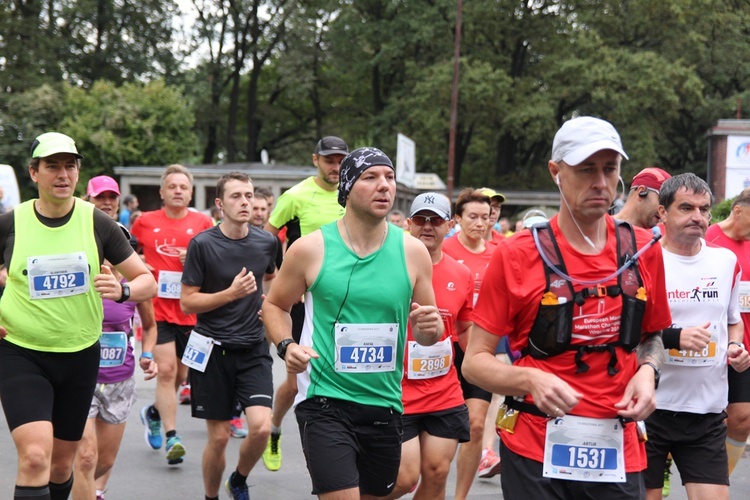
589	338
364	281
51	315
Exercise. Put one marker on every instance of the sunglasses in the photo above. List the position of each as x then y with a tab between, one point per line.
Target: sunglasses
421	220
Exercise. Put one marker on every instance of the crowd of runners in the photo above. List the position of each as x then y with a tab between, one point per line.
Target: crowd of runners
600	347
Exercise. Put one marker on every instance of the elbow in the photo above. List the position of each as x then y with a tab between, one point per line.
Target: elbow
185	307
467	369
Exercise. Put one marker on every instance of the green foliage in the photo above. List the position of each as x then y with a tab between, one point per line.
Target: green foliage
721	211
134	124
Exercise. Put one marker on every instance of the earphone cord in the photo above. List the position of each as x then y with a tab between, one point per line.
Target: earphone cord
627	264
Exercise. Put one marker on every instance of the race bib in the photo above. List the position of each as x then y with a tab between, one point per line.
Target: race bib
705	357
197	351
169	285
429	361
584	449
366	347
744	296
51	276
113	347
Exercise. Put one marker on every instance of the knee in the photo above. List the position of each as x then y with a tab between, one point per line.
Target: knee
477	427
436	472
167	371
259	430
739	424
86	459
34	461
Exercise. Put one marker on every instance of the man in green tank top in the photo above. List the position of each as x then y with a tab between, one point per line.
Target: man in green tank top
363	280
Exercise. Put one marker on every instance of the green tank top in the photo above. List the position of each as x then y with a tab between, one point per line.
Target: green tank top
359	309
57	267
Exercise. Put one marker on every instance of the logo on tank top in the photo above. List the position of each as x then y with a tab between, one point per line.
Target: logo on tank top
451	287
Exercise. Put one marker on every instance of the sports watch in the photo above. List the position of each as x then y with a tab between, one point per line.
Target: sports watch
281	347
125	293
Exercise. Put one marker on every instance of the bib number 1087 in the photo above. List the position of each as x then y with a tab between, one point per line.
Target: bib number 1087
584	457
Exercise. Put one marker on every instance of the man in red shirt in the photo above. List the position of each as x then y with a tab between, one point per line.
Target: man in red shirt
580	382
164	236
435	416
734	233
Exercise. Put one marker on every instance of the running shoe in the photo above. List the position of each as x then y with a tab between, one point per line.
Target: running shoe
152	432
238	493
272	455
667	474
237	428
184	395
175	450
490	464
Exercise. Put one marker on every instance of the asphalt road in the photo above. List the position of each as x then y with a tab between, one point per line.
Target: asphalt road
142	473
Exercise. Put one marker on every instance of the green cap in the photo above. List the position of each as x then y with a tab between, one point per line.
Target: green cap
52	143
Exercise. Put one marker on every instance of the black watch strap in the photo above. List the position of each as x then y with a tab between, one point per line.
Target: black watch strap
281	347
657	373
125	293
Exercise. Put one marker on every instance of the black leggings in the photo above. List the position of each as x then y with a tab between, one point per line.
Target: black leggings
48	386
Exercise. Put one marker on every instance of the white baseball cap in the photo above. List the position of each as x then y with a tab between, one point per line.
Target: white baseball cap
581	137
434	202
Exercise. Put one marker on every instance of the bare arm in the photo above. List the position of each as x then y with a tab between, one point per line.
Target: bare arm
148	322
267	281
193	301
462	333
426	322
639	399
272	229
736	356
141	281
551	394
299	270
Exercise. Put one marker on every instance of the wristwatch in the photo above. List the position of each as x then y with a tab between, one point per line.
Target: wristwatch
657	373
125	293
281	347
734	342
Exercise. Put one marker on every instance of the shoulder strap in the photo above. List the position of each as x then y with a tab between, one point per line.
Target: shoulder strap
544	239
630	279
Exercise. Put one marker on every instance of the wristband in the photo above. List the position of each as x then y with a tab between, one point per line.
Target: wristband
147	355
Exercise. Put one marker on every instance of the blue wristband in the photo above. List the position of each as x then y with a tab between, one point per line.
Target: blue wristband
147	355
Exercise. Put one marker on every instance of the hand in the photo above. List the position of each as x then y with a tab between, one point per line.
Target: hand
552	394
149	367
243	284
107	284
426	322
738	358
3	332
298	357
639	399
695	338
260	311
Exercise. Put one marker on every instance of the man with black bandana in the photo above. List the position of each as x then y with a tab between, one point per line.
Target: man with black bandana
362	282
51	315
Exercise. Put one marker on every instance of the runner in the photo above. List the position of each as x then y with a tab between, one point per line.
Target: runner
227	352
435	415
164	236
359	275
556	293
115	391
51	315
302	209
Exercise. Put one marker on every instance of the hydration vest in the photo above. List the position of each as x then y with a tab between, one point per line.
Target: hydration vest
551	332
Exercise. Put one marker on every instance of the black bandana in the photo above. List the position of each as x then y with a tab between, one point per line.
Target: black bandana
354	164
